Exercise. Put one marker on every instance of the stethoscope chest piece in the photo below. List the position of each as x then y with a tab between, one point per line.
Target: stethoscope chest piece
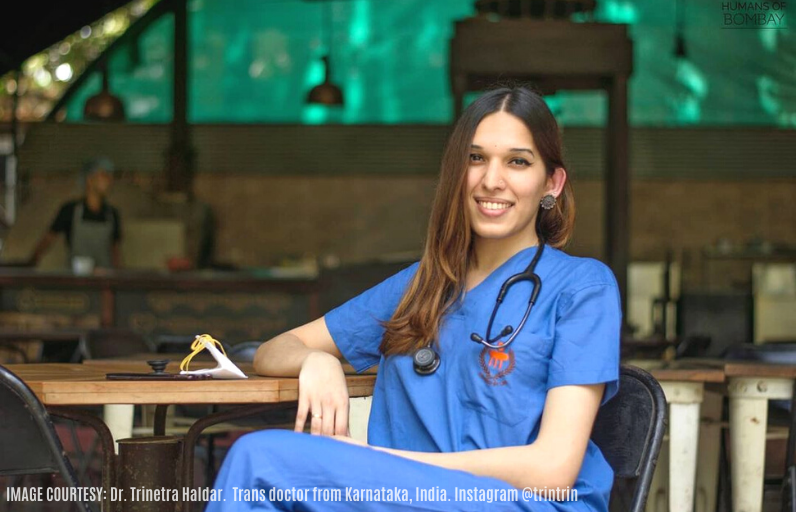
426	361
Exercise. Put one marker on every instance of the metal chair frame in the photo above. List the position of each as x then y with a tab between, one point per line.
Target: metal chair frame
25	418
629	431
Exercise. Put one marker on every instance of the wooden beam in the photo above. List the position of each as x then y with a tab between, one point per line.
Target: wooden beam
617	185
180	159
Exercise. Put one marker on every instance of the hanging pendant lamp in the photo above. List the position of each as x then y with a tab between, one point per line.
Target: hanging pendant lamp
104	106
326	93
679	40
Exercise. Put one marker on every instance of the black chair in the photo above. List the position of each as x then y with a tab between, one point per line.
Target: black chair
111	342
243	352
629	431
28	440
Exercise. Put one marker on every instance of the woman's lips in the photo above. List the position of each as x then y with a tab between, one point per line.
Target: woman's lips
492	212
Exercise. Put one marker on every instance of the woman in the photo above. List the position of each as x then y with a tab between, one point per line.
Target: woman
493	419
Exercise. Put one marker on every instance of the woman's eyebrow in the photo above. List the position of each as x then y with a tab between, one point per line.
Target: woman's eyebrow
512	150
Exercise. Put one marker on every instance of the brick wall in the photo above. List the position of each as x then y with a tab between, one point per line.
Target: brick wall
261	219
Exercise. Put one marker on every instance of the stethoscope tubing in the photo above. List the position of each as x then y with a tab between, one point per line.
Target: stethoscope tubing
528	274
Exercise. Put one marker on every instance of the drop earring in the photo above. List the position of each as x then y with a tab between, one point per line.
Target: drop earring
548	202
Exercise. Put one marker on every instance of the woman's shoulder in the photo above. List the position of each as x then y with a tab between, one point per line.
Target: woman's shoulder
581	272
409	271
402	277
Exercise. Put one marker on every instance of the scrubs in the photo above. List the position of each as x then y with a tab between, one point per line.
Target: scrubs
478	398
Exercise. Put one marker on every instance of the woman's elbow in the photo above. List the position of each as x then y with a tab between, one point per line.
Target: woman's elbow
260	359
564	480
561	477
560	471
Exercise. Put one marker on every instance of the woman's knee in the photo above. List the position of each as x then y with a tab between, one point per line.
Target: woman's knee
268	441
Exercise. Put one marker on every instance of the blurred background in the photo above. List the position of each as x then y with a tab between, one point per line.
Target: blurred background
249	205
176	167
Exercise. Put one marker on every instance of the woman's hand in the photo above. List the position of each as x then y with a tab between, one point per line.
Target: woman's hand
323	393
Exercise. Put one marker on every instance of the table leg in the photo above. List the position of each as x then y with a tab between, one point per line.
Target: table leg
119	418
685	399
748	420
359	412
161	414
147	464
707	475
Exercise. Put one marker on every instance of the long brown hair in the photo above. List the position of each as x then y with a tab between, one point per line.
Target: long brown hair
440	277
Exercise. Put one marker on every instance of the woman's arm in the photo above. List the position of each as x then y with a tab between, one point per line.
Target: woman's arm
283	355
552	461
44	243
309	353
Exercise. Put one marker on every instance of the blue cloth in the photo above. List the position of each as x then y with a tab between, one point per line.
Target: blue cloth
480	398
285	470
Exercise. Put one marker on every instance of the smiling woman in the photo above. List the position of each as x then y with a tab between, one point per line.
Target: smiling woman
494	416
506	182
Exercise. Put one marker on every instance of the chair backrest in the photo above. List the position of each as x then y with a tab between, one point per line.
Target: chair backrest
629	430
28	440
243	352
115	342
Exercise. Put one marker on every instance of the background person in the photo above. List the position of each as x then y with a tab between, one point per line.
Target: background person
91	226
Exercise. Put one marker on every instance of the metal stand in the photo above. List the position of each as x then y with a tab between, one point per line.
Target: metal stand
150	464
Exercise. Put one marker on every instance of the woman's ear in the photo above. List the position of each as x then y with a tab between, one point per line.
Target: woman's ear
556	182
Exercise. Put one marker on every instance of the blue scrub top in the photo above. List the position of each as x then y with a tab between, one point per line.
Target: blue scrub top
481	398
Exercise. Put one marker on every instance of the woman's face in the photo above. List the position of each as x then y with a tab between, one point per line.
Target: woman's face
506	179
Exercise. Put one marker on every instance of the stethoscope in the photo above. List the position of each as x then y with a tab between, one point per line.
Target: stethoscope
426	359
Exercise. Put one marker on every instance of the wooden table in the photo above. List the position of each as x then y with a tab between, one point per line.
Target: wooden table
119	417
750	387
683	384
137	362
85	384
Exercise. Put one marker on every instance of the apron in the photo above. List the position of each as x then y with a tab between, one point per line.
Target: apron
91	238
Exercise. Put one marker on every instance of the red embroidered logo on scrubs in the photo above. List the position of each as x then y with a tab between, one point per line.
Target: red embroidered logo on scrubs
496	364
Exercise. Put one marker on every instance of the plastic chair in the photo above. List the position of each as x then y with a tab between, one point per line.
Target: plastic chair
28	440
629	431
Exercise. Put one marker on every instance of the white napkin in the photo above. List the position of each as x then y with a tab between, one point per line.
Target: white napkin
226	369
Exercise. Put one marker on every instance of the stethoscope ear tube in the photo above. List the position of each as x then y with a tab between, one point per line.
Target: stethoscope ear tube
537	287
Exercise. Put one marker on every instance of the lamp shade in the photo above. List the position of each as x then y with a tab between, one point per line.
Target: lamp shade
326	93
104	106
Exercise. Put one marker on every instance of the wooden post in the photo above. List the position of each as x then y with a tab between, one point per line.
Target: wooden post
617	185
180	160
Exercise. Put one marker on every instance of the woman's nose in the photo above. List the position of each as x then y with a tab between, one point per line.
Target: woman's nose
493	178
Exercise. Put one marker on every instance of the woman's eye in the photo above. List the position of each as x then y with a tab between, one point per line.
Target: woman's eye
475	158
521	161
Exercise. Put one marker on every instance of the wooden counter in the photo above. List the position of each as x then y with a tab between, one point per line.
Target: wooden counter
233	306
